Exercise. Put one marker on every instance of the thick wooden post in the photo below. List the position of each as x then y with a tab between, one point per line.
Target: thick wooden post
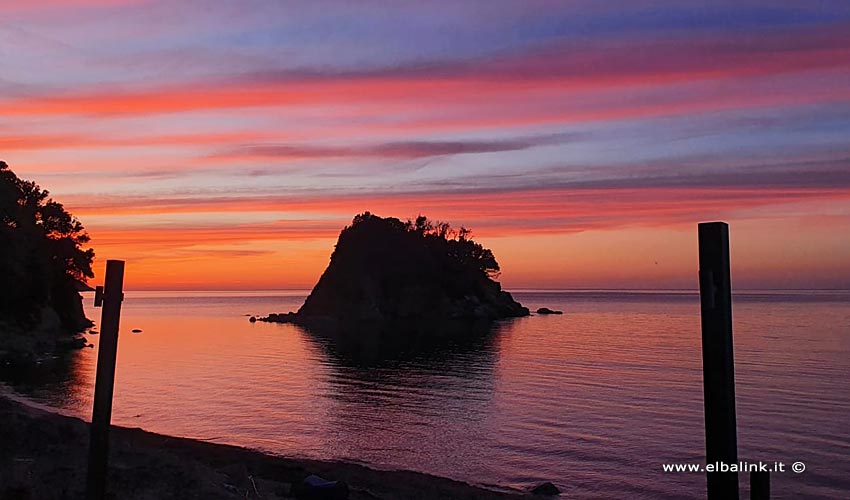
759	485
112	296
718	365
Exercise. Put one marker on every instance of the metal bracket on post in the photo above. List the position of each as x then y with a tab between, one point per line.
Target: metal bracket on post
110	297
718	364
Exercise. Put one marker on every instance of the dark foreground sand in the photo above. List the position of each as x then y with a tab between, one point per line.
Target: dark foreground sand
43	456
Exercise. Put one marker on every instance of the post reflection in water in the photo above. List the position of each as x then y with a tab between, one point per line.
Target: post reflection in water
594	400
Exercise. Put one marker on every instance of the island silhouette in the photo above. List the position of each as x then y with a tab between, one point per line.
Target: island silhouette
414	277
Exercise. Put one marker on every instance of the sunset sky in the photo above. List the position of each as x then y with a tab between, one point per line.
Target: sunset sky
224	144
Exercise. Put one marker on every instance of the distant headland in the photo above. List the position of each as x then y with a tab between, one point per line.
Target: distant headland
414	275
43	267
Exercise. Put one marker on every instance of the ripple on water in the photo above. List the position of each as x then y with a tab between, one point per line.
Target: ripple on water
594	400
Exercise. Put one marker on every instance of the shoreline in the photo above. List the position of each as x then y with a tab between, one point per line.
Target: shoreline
43	454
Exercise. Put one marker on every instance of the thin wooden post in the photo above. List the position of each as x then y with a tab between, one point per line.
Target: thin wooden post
759	485
718	365
111	295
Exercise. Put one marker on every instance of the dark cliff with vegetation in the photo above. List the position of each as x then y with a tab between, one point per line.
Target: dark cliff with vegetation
414	274
42	267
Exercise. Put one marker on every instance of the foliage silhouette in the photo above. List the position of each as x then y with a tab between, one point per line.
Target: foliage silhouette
42	259
456	247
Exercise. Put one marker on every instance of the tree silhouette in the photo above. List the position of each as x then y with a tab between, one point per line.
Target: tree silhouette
456	246
42	260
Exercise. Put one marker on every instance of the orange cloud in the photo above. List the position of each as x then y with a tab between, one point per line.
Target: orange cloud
522	228
37	141
527	203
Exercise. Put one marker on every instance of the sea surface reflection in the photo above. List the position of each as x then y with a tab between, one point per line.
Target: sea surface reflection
594	400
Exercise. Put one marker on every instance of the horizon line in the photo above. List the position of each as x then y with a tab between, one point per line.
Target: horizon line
518	289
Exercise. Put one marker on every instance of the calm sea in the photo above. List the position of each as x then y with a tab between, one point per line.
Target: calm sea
595	400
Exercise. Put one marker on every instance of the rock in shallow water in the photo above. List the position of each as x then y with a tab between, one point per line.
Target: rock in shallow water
546	489
318	488
546	310
69	343
278	318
